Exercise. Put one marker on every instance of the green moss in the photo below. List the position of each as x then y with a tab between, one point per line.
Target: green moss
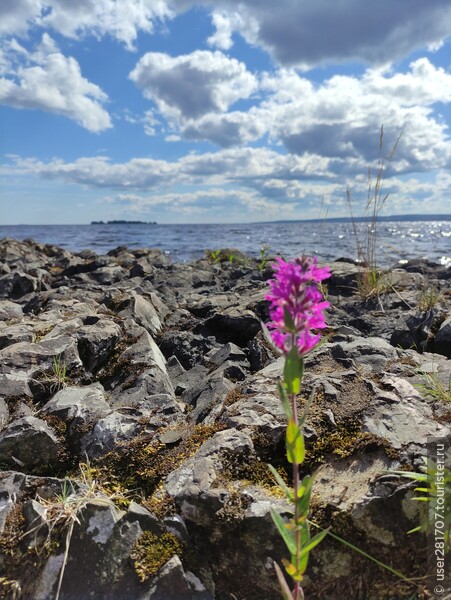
141	464
12	531
160	503
152	551
345	441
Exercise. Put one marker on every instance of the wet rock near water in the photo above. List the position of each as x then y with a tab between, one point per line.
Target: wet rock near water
139	414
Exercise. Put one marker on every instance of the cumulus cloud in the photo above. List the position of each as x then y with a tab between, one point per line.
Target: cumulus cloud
243	166
122	20
213	203
308	34
190	86
16	15
341	117
48	80
259	180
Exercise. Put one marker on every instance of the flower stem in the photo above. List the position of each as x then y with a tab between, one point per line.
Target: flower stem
297	592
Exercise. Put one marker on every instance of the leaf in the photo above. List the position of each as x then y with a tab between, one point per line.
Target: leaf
281	483
293	371
295	443
361	552
286	592
285	402
415	529
410	475
287	536
314	541
303	500
289	567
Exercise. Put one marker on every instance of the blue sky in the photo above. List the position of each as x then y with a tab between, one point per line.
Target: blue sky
219	111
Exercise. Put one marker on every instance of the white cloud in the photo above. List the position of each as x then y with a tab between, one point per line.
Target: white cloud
225	24
190	86
227	204
308	34
341	118
244	165
235	184
48	80
121	19
15	15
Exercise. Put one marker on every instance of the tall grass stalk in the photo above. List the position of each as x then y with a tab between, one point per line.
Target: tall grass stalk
366	243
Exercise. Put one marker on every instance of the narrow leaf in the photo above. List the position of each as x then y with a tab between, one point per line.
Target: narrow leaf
295	443
303	500
359	551
293	371
281	483
286	592
415	529
314	541
287	536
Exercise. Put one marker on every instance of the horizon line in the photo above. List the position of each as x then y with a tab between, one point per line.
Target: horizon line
363	218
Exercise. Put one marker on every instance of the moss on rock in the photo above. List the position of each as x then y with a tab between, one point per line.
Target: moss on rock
152	551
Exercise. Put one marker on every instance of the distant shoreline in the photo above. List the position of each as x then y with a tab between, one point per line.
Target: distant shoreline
404	218
123	222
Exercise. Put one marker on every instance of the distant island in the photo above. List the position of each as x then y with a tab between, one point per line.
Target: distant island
122	222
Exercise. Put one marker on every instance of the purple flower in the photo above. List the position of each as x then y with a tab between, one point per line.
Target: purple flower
296	304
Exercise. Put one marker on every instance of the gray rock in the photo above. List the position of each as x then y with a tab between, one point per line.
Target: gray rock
10	310
187	380
39	357
148	312
79	408
188	348
442	341
16	285
108	275
16	333
410	421
29	442
232	325
172	583
96	341
15	384
4	414
212	395
109	432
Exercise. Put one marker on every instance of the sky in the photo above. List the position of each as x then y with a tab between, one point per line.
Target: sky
222	111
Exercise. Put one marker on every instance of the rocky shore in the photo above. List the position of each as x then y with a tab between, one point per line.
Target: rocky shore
138	416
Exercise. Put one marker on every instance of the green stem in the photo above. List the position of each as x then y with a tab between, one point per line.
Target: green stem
298	593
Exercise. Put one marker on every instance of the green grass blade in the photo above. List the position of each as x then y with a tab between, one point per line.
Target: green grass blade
362	552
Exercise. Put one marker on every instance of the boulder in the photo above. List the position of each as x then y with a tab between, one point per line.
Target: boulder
442	340
29	443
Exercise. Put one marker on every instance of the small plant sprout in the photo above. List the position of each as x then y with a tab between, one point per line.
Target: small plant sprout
434	484
59	371
296	308
431	385
428	298
265	257
214	255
